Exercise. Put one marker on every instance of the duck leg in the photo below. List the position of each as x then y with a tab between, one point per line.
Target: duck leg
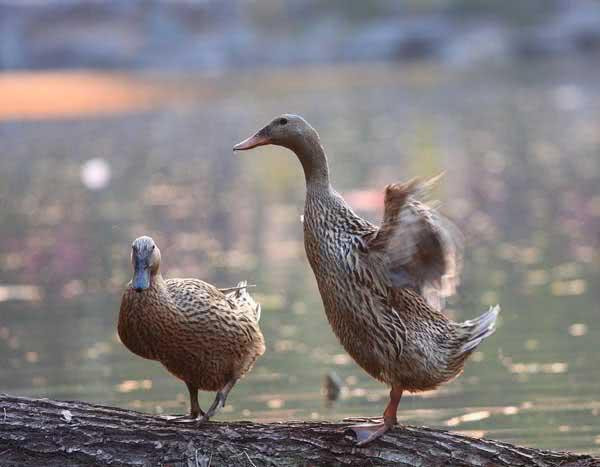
368	432
219	401
195	410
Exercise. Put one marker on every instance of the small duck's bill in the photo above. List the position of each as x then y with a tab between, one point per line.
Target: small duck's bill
252	142
141	279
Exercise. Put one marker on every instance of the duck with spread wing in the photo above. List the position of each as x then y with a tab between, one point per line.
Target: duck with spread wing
382	287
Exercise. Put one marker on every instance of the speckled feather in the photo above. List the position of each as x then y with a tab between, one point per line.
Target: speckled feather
202	336
381	287
390	330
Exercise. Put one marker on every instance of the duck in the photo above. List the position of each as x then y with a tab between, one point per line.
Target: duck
207	337
382	287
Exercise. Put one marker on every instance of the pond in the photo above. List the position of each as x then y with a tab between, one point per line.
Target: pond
520	150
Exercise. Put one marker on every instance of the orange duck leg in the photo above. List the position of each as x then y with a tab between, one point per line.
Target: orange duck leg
368	432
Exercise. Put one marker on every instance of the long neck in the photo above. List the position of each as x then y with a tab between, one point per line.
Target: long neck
314	162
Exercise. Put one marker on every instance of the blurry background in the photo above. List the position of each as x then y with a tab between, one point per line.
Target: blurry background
117	119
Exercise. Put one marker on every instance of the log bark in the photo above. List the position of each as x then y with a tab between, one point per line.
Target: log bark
42	432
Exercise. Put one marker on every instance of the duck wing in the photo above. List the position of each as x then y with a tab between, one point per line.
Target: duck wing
418	247
193	296
242	299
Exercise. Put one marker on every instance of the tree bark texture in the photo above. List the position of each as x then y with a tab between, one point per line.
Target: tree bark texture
42	432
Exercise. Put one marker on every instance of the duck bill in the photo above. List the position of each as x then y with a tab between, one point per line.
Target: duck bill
259	139
141	279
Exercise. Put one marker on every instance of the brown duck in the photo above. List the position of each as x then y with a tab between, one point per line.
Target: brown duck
207	337
382	287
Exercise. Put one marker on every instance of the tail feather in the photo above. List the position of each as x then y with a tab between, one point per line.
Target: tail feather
479	328
240	294
257	311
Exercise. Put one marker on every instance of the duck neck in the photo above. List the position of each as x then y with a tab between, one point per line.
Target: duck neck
157	279
157	283
314	162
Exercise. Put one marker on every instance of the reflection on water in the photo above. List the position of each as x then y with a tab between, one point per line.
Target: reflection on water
520	149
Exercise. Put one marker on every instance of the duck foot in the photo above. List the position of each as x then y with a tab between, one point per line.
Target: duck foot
368	432
195	411
219	401
214	408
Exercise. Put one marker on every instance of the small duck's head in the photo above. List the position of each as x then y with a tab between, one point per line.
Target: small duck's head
145	258
287	130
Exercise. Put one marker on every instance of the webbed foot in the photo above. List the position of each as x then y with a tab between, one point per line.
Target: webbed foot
368	432
217	405
219	401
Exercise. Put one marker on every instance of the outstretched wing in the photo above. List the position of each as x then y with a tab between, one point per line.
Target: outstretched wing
418	247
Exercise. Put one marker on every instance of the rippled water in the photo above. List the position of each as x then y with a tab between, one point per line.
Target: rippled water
520	148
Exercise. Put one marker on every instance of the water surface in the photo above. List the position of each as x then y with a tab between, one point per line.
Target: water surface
520	147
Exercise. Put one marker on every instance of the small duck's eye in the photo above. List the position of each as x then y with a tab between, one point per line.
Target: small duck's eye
153	246
283	121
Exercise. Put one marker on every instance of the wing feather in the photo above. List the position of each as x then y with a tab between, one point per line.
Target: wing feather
419	248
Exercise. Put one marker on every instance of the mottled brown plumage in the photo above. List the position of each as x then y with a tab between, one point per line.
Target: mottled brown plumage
204	336
382	287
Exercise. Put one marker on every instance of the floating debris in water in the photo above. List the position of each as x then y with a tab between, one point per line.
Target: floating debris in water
332	388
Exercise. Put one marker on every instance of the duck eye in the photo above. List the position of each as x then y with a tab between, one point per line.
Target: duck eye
153	246
283	121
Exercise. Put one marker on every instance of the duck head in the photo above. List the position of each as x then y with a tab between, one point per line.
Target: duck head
287	130
145	258
294	133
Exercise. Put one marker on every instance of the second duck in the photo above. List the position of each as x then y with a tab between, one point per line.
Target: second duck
205	336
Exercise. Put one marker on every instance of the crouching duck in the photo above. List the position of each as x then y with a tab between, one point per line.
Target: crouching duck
207	337
382	287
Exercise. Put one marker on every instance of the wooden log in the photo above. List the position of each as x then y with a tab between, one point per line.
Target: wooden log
42	432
